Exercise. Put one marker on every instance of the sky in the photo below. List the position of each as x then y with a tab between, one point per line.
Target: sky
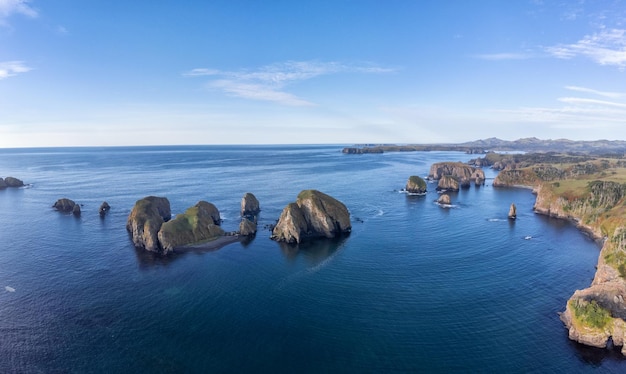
117	73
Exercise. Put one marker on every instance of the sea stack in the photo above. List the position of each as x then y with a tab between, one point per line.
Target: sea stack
415	185
250	208
512	212
313	215
444	199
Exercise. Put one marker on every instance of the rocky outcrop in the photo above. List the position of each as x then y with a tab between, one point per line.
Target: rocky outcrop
462	173
104	209
444	199
247	227
10	182
314	214
249	205
415	185
512	212
64	205
516	178
145	221
448	183
199	223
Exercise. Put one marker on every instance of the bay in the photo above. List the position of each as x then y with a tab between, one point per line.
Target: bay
414	288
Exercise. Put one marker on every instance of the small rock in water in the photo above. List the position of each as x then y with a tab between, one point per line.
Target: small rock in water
9	289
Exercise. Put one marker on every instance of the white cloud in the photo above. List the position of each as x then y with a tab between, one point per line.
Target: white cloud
607	47
11	68
614	95
10	7
583	101
268	83
576	112
258	92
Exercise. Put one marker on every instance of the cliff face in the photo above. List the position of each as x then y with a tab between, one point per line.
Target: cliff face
145	220
314	214
597	313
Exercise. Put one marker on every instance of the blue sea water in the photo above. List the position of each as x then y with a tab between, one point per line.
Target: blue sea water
414	288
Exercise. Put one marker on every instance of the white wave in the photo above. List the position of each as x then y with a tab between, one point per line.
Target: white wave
528	237
416	194
9	289
380	213
496	220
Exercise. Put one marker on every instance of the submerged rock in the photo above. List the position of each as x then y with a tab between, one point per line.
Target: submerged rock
199	223
415	184
314	214
145	221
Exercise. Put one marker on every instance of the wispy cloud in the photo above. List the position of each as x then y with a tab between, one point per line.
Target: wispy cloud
10	7
596	92
504	56
576	112
269	83
606	47
11	68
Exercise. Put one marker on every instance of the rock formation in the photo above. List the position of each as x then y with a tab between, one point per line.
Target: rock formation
247	227
448	183
13	182
76	210
145	220
314	214
444	199
415	185
104	208
513	212
462	173
10	182
199	223
65	205
249	205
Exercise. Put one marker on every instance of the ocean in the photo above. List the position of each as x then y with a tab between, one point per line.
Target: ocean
414	288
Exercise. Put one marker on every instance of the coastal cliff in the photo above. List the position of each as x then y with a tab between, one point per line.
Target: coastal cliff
592	196
462	173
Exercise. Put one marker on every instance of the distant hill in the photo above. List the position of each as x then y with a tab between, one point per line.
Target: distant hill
596	147
550	145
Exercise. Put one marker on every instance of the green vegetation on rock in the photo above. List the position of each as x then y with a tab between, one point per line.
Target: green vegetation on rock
590	313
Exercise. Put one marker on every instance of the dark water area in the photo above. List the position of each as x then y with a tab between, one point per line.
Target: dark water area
414	288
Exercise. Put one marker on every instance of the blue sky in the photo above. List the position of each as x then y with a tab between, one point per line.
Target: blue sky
82	73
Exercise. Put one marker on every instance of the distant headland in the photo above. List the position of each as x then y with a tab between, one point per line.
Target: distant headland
596	147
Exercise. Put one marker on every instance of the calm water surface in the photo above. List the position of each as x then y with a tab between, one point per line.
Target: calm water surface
414	288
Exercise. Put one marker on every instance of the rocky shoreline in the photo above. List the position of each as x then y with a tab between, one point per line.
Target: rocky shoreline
594	316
